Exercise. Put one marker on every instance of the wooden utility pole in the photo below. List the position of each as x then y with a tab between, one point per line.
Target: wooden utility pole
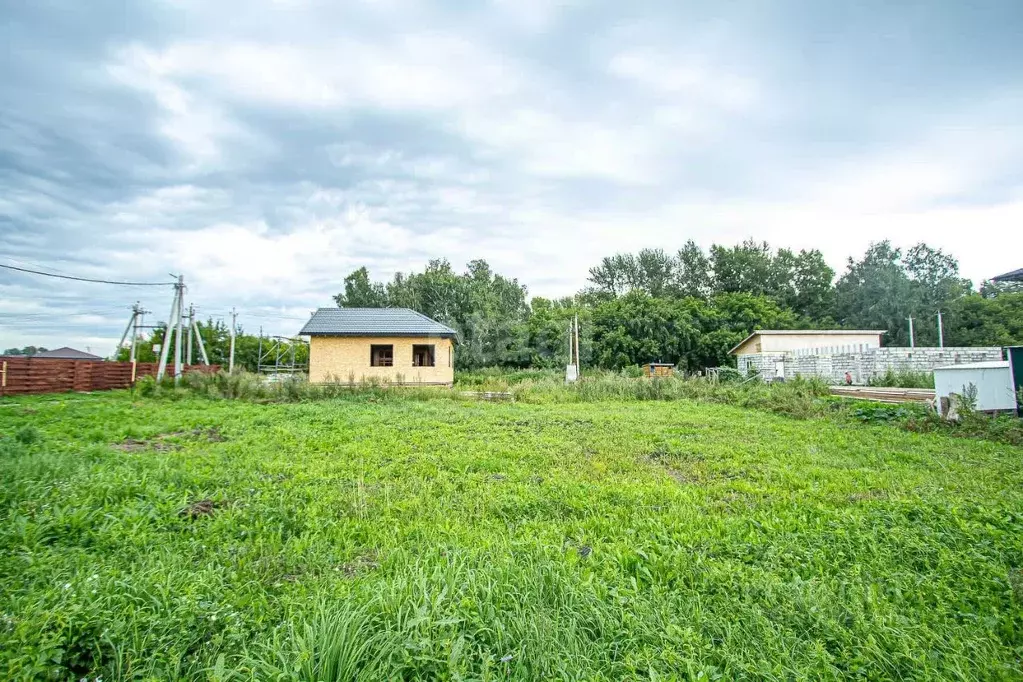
234	323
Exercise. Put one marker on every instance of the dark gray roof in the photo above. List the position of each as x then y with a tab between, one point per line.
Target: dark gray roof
66	353
1014	276
373	322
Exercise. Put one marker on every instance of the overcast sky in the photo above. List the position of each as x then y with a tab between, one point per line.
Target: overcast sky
265	149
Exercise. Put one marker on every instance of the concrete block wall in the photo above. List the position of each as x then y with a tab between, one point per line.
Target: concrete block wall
863	364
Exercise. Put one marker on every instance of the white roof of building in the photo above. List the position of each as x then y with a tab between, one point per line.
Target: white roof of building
991	364
807	332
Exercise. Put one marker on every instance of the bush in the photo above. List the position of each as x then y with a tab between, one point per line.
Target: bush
28	435
903	379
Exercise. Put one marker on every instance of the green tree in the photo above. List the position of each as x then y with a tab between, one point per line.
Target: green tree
974	320
638	328
360	292
746	268
692	272
27	350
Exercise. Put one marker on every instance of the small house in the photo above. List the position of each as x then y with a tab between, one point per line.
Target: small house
391	345
66	353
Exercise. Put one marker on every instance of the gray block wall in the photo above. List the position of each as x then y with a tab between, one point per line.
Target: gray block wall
863	364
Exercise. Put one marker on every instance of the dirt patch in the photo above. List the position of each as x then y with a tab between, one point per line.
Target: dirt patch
360	564
681	476
1016	582
201	508
137	445
161	443
210	433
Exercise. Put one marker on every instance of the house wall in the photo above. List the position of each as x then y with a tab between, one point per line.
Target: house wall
773	343
862	364
346	358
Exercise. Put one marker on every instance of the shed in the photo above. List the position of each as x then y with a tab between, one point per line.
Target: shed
392	345
993	381
659	369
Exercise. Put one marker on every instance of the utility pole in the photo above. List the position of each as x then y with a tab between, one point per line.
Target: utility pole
191	331
132	325
578	360
178	369
912	344
175	314
234	323
941	332
136	314
259	353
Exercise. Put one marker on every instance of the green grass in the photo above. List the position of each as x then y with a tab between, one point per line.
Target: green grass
423	539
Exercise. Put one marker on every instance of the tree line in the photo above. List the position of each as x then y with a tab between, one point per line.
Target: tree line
691	307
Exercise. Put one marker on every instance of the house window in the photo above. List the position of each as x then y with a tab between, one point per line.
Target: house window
381	356
423	356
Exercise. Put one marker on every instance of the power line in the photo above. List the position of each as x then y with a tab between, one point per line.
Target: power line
86	279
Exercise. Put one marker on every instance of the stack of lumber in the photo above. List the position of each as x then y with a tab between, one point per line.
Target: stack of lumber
884	394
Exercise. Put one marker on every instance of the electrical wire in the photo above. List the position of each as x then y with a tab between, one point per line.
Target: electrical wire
86	279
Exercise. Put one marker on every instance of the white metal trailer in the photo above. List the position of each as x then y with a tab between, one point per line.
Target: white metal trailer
993	381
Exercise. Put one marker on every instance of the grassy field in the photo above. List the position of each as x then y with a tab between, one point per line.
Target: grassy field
194	539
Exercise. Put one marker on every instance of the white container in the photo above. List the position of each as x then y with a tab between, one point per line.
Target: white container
995	390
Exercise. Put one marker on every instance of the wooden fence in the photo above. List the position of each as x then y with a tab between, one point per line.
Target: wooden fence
20	375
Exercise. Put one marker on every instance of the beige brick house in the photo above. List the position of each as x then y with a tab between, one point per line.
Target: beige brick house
392	345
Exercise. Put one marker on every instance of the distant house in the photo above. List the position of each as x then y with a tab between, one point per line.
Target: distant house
66	353
395	345
782	340
1014	276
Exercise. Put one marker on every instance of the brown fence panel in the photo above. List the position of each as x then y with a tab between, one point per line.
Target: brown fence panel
20	375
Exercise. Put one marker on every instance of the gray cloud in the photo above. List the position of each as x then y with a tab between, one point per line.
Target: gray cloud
264	150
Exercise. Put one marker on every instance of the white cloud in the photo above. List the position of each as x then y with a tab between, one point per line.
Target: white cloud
685	78
315	137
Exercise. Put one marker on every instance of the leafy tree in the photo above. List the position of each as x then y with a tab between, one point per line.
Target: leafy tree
638	328
615	274
692	272
548	331
876	293
974	320
360	292
812	286
27	350
727	319
747	268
